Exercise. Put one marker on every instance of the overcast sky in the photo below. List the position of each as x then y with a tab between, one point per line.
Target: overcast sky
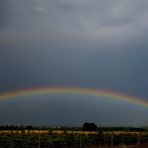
85	43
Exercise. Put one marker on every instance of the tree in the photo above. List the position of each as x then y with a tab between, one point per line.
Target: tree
89	126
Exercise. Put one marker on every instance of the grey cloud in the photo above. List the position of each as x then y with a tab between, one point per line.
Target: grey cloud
88	43
94	21
4	14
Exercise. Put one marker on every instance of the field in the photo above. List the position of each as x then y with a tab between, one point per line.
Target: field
29	137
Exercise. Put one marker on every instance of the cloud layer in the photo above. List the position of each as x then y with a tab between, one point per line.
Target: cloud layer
89	43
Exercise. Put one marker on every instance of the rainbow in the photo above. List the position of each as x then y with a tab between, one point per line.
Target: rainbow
74	90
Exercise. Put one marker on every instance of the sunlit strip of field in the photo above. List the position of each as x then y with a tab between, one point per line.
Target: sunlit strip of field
71	132
75	132
24	132
124	133
46	132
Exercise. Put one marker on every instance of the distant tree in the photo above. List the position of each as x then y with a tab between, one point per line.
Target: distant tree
29	127
11	127
89	126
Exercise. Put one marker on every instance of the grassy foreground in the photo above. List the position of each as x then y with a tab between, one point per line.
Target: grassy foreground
58	137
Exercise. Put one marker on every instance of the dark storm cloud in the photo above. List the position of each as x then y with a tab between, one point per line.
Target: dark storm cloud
93	43
89	43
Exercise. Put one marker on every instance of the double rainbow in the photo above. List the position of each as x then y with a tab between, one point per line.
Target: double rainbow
75	90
